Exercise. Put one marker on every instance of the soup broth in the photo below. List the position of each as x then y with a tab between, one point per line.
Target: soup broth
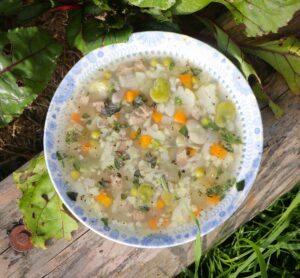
150	142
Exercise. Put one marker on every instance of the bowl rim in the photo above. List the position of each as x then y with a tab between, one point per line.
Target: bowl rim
179	242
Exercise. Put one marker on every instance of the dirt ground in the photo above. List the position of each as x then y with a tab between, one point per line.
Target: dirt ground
23	138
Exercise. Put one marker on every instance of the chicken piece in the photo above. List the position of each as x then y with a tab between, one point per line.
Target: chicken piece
140	115
99	105
181	157
139	65
123	146
124	69
84	100
116	181
117	97
137	215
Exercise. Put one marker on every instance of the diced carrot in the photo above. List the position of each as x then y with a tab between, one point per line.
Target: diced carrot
214	199
130	95
103	199
191	151
160	204
75	117
86	147
179	117
218	151
165	223
132	134
197	212
152	223
186	80
157	117
145	141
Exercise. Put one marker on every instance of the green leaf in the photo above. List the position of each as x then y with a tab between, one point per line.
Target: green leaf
42	210
284	56
160	4
262	17
260	258
25	70
32	11
229	48
259	17
9	7
189	6
89	34
184	131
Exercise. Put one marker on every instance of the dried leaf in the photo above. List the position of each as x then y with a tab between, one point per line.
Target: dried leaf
42	210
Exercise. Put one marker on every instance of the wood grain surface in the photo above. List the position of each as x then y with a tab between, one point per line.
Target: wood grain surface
89	255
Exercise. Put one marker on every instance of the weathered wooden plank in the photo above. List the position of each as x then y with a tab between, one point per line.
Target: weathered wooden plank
90	255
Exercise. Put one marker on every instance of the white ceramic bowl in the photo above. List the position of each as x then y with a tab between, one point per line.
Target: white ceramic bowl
179	47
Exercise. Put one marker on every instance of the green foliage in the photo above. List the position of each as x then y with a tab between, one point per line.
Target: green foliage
42	210
227	45
88	33
268	245
159	4
9	7
284	56
26	68
259	17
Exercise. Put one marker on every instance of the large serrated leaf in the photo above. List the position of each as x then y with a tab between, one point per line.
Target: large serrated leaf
227	46
27	60
189	6
9	7
80	36
284	56
259	16
41	208
159	4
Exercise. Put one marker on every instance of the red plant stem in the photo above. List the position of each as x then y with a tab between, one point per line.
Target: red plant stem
65	8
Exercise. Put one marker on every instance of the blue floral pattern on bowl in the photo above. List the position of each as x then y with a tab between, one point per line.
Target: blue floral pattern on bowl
180	47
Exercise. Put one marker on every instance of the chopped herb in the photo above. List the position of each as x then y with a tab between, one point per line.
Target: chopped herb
124	196
119	163
184	131
138	133
105	221
178	101
76	165
240	185
179	174
151	159
103	183
144	208
138	101
220	189
177	198
220	171
164	183
228	147
196	71
71	136
110	109
117	126
111	89
171	66
229	137
137	174
72	195
85	116
61	157
89	122
125	156
136	181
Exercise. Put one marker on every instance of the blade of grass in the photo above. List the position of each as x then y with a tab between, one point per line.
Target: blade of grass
260	258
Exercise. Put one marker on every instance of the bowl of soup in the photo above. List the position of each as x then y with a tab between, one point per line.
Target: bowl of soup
145	136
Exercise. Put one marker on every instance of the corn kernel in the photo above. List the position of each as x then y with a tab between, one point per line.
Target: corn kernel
154	62
195	80
94	143
107	74
95	134
75	174
167	62
200	172
205	121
